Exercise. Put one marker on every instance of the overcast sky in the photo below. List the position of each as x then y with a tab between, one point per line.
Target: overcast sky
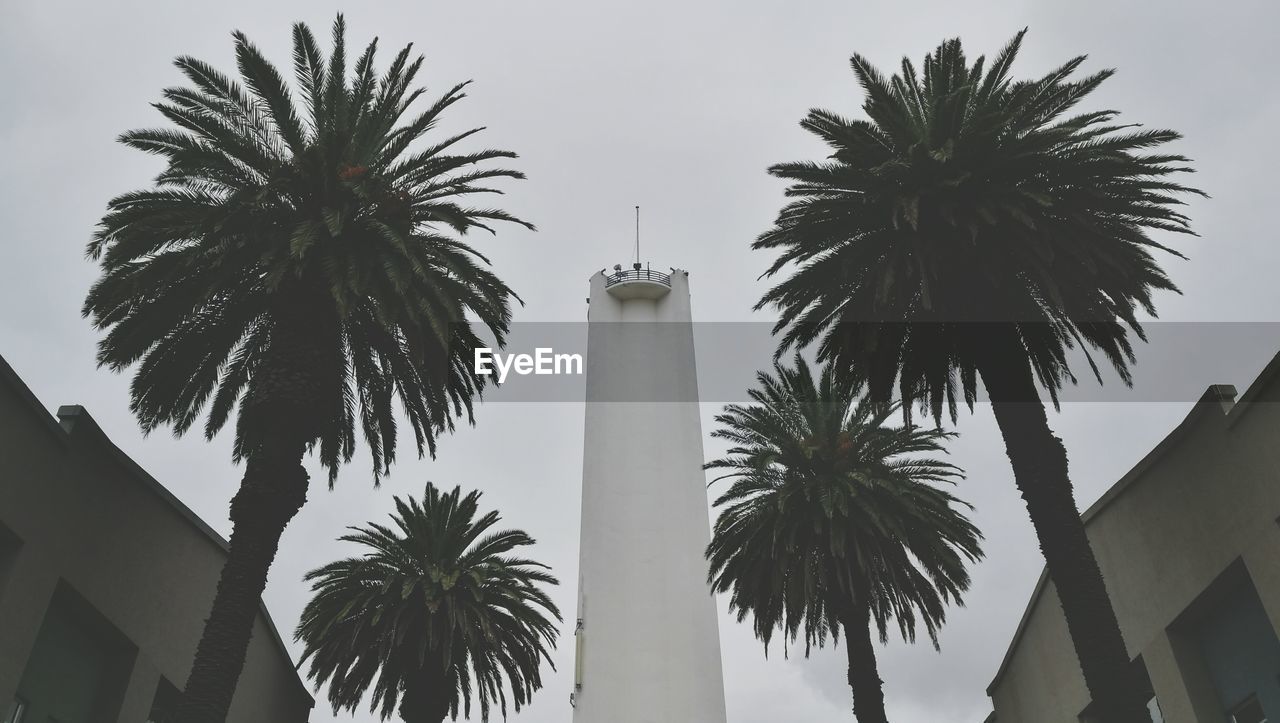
678	107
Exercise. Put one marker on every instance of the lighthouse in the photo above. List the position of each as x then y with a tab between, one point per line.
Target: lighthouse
647	645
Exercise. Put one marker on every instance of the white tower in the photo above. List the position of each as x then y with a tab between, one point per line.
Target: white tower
648	649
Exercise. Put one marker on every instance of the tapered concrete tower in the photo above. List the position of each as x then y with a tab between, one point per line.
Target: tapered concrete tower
648	649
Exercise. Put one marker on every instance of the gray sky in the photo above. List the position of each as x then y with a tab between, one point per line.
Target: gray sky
678	107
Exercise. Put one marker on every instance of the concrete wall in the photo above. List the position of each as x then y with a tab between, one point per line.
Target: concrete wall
1205	500
91	526
649	645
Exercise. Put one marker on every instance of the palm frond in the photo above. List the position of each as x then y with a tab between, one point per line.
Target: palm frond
434	613
967	213
830	509
328	222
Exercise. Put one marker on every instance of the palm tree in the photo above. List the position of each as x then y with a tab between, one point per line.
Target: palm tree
835	521
971	228
303	268
435	610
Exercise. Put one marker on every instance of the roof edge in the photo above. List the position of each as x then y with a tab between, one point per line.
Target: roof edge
9	376
1245	403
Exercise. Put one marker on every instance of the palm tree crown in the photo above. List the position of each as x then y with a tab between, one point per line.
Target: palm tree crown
315	231
831	510
966	197
436	610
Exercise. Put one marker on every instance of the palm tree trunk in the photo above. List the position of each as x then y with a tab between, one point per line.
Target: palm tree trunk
426	701
270	495
279	419
1039	462
864	675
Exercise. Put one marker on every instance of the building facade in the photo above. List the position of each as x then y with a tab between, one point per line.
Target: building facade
105	583
648	645
1189	545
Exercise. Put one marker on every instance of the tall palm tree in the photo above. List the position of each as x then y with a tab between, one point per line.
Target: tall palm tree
836	521
436	609
972	228
302	267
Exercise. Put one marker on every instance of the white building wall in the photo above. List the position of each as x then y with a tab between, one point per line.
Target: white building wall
649	647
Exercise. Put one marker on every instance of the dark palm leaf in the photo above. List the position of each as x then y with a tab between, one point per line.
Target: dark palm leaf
830	508
273	219
439	605
969	199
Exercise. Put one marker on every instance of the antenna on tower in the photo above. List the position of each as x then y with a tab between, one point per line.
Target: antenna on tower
637	236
